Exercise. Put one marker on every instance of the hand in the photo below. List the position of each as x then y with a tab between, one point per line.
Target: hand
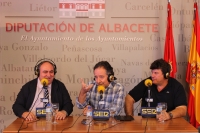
85	88
164	116
30	116
61	115
85	110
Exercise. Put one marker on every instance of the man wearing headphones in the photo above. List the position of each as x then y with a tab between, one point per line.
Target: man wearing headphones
113	93
164	89
31	95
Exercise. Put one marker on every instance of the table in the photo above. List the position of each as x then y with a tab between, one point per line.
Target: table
178	125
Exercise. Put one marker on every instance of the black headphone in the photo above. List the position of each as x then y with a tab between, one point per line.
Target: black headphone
111	77
167	72
40	62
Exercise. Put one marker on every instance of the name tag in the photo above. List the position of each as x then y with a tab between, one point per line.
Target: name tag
44	100
101	102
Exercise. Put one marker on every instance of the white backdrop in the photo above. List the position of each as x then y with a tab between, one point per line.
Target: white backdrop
130	34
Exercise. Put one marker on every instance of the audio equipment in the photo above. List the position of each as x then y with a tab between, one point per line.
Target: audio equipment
167	71
100	115
101	90
111	77
44	82
40	62
148	111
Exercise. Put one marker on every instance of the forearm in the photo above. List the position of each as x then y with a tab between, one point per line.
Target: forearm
82	97
129	101
179	111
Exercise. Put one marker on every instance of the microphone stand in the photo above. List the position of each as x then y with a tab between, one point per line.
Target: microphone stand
101	96
149	97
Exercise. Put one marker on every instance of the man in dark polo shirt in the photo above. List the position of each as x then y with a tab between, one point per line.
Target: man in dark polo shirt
164	89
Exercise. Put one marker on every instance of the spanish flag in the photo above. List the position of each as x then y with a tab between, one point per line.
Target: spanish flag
193	72
169	52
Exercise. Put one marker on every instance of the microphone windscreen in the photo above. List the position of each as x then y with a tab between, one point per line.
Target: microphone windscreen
100	88
148	82
44	82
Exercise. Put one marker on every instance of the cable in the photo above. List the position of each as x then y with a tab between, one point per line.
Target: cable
72	124
111	126
146	126
29	112
81	113
147	117
29	123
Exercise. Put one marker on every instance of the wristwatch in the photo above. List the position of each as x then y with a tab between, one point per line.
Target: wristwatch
170	115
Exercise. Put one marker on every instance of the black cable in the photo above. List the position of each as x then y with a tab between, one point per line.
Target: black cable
29	113
111	126
146	126
29	123
147	117
72	124
81	113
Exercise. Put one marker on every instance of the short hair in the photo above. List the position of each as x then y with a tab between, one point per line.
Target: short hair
106	65
161	64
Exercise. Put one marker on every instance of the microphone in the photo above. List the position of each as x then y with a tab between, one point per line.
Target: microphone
148	111
101	90
100	114
44	82
41	111
148	83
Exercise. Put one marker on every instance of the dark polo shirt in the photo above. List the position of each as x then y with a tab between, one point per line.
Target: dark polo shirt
173	94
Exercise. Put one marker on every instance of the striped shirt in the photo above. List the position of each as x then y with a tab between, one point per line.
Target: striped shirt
114	94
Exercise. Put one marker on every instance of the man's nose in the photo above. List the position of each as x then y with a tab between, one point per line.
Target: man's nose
98	80
48	74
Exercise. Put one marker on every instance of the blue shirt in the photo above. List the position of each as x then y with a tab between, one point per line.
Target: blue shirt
114	94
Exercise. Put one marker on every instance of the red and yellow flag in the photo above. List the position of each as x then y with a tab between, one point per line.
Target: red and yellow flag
169	53
193	72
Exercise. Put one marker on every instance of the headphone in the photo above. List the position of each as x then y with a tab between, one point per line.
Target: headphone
40	62
111	77
167	72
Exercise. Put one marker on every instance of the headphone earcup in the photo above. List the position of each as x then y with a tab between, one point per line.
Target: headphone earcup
167	75
111	78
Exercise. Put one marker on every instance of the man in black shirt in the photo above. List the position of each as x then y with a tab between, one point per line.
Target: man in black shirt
164	89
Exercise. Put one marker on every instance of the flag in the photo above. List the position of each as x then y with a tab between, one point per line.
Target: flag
169	52
193	72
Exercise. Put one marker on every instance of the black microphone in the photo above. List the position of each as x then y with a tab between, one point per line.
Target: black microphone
148	111
148	83
100	114
41	111
101	90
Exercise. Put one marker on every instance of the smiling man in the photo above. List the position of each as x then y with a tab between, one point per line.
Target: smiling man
33	94
164	89
113	93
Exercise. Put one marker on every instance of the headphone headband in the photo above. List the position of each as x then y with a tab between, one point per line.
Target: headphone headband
41	61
